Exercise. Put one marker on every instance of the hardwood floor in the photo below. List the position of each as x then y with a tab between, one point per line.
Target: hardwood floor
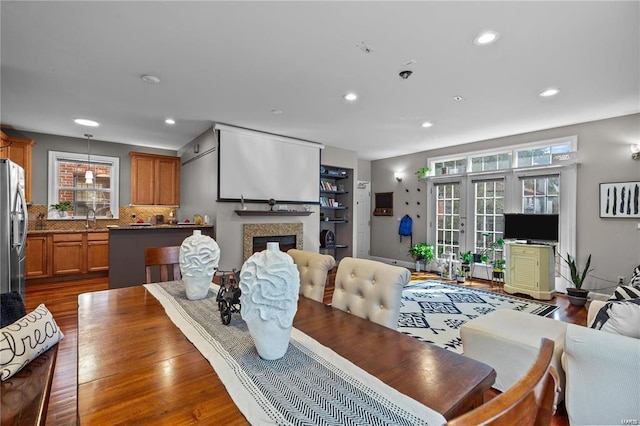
62	300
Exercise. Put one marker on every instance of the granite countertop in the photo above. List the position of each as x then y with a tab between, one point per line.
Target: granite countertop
106	229
186	225
65	231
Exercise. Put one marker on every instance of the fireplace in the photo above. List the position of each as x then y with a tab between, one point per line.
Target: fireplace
256	236
285	242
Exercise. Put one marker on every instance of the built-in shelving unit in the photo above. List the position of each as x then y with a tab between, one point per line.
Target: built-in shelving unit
336	203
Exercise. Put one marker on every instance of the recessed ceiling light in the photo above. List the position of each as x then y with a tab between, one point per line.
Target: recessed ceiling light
170	121
151	79
486	37
427	124
86	122
276	111
549	92
458	98
351	96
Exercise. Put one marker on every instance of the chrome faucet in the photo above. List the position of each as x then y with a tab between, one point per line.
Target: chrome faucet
89	211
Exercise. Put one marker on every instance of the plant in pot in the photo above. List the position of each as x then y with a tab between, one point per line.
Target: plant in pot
63	207
423	172
576	294
466	259
421	252
461	275
498	268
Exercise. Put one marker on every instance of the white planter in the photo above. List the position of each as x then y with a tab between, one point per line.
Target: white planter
199	256
270	282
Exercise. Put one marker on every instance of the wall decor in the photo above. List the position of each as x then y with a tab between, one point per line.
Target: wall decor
620	200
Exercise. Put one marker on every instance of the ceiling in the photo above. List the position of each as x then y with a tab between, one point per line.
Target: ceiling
236	62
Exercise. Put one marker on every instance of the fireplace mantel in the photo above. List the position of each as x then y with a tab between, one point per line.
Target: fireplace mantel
272	213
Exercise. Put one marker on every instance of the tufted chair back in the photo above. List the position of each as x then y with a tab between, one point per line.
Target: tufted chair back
371	290
313	269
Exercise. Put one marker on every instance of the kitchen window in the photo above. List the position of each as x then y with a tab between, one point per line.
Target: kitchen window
67	182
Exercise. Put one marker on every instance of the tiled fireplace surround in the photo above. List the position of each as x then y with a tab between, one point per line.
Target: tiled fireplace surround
251	230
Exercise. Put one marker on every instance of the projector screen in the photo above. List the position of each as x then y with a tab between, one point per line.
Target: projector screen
258	166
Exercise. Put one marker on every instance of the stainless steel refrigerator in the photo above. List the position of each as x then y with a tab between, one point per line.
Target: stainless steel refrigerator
13	228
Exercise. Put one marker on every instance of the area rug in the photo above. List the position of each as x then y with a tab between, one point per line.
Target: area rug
433	311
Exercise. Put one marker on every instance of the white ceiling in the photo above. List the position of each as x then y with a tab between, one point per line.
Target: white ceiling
235	62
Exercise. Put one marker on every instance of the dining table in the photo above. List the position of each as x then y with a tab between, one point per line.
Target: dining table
136	366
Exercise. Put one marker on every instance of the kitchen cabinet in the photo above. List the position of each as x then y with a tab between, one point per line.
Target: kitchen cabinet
530	270
55	254
67	254
98	252
155	179
36	265
19	150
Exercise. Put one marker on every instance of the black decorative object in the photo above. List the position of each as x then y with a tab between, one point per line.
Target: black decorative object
272	203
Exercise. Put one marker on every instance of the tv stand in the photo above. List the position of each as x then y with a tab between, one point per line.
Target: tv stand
530	270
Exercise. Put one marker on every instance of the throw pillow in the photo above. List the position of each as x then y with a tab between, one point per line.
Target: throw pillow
24	340
635	278
619	317
11	308
624	292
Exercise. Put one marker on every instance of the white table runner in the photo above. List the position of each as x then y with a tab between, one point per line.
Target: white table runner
310	385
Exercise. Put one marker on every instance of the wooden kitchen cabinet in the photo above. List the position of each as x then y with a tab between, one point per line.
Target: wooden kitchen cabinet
67	254
37	263
155	179
19	150
97	251
55	254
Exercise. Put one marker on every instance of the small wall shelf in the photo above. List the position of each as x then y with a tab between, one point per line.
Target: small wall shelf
271	213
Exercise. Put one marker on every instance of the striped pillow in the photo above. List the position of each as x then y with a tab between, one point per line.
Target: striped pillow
619	317
625	292
635	278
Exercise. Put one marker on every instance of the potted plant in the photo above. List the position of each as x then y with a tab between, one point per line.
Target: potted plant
421	252
423	172
498	268
461	275
466	259
576	294
63	207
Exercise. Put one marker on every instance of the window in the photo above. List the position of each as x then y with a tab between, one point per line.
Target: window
450	167
489	209
540	156
541	195
491	162
67	183
448	218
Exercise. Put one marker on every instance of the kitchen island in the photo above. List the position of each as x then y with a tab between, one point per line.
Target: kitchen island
127	244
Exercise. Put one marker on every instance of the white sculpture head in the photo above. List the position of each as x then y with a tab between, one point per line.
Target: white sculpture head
270	282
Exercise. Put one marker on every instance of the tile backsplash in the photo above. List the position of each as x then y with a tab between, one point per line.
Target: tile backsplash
38	218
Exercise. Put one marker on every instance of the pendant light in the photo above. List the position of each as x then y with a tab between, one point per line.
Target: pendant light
88	175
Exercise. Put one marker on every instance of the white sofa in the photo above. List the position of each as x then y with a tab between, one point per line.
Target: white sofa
602	375
599	371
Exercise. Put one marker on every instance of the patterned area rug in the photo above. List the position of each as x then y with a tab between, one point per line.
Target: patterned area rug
433	311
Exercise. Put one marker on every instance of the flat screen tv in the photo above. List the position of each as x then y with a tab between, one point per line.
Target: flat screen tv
531	227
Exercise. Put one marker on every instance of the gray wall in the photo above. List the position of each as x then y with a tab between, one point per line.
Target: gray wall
198	194
46	143
604	156
199	177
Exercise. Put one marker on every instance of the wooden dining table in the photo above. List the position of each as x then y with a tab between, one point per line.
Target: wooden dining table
136	366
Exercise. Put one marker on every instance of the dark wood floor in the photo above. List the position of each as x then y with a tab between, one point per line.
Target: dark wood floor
61	299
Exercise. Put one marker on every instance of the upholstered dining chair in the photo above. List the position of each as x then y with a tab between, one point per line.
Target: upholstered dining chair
166	258
369	289
529	402
313	269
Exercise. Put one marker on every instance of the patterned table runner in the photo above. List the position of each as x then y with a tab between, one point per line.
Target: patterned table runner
310	385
